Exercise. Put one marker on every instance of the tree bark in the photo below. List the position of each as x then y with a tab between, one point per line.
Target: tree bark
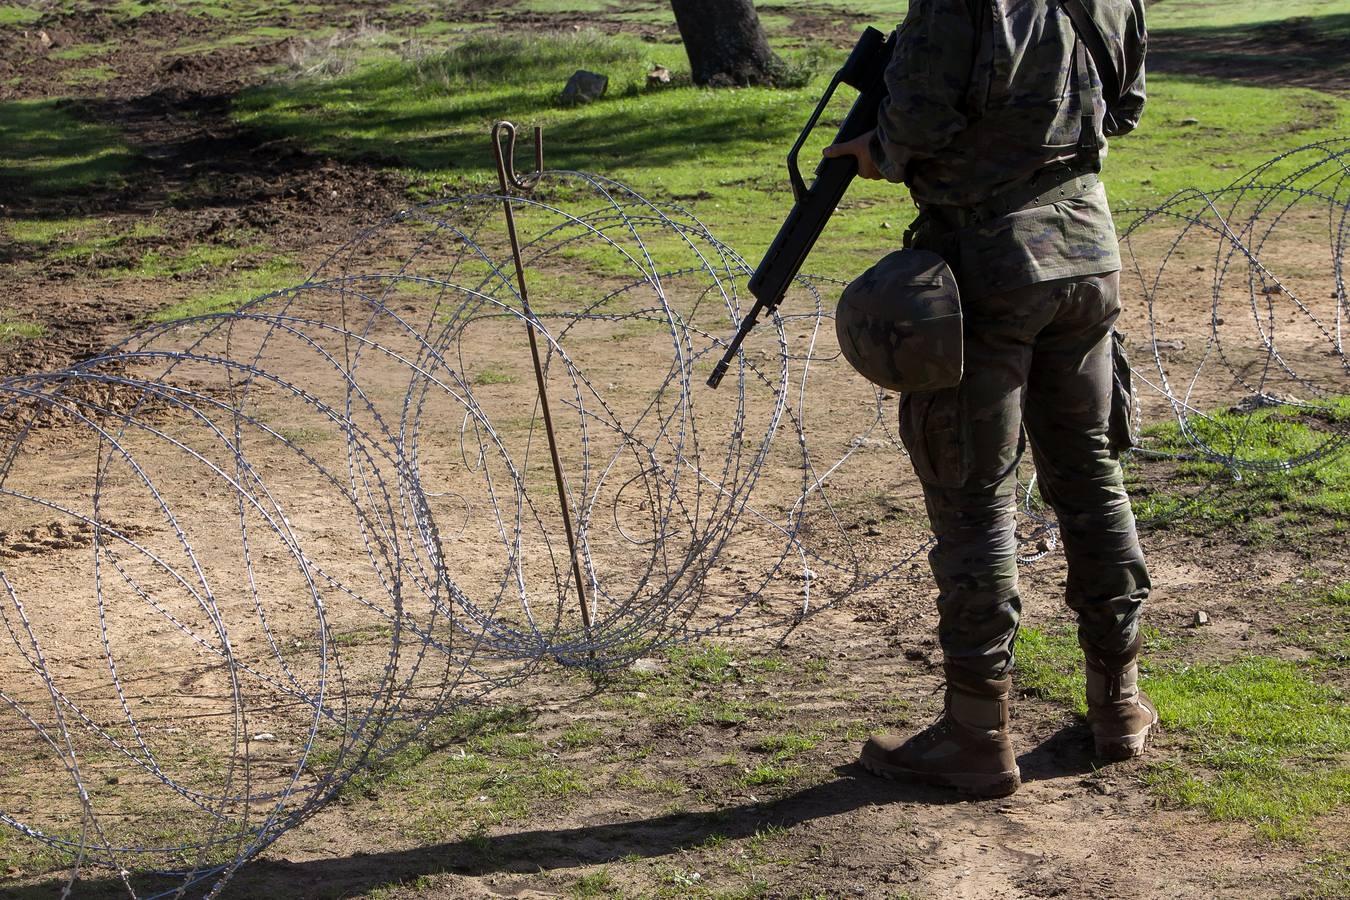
725	42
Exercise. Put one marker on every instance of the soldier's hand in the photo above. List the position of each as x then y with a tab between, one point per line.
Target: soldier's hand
860	149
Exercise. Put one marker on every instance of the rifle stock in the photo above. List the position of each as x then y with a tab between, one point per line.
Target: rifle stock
864	70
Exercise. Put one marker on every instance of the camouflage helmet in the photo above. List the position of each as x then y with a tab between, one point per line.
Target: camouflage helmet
899	323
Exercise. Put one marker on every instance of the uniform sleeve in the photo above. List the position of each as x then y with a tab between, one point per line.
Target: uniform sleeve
1123	116
926	84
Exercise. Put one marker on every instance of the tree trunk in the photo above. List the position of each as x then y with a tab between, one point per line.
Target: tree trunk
725	42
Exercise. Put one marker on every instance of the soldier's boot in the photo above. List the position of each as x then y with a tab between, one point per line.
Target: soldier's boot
967	749
1123	719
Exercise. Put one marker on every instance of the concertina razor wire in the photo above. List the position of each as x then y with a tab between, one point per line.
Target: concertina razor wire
251	554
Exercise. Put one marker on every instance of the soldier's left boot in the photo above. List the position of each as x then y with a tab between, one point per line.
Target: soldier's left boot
967	749
1122	717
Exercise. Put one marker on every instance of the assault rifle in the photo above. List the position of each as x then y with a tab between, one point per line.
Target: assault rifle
815	204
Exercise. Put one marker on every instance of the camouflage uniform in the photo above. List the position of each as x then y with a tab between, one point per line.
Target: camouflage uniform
983	98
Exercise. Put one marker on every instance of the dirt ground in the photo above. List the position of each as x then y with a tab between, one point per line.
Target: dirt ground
1073	831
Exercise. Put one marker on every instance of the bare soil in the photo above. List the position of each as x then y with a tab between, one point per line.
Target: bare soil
1073	831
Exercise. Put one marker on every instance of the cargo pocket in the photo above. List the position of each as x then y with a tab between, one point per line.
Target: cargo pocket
935	434
1120	430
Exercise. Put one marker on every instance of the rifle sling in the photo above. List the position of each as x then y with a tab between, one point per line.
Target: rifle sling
1089	34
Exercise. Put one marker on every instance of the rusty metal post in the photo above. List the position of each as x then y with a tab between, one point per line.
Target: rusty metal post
506	176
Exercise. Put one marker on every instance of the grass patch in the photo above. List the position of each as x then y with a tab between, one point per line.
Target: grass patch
18	15
782	747
1321	624
493	376
235	290
1264	743
45	149
1259	740
1298	505
637	780
1050	666
722	152
12	330
579	735
1227	13
595	884
203	257
770	774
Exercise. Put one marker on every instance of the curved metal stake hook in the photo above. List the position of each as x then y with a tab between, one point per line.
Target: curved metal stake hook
506	159
506	173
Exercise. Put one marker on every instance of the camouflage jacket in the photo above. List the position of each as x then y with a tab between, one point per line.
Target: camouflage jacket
982	96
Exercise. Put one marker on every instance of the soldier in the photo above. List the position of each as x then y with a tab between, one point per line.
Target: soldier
996	122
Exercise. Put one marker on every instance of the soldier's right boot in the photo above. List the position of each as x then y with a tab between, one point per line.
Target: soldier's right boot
967	749
1122	717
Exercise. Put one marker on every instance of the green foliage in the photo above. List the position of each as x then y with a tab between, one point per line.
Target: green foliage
1259	740
45	149
13	330
18	15
492	376
1229	13
1265	744
594	884
722	151
1050	666
1198	495
706	662
782	747
770	774
234	290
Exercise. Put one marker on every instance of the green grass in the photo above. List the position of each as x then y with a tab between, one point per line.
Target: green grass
1301	505
45	149
1264	743
1258	740
581	734
722	151
18	15
493	376
234	290
1228	13
90	75
594	884
79	238
14	330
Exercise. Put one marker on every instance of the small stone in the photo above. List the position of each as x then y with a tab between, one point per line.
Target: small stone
1190	121
1170	345
658	76
584	87
45	40
886	225
264	737
647	665
1201	618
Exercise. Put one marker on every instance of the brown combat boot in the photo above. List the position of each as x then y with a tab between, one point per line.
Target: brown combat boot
967	749
1123	719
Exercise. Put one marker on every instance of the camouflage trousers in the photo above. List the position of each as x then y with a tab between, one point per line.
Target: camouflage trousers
1039	364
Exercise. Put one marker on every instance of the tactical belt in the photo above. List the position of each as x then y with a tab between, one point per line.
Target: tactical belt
1046	188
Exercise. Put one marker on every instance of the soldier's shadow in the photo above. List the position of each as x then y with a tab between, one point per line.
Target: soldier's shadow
537	850
1067	752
